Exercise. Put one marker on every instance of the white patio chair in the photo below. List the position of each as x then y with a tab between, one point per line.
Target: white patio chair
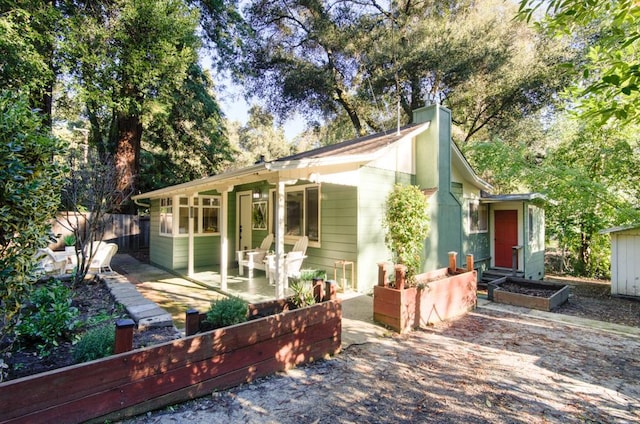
254	258
101	261
292	261
50	262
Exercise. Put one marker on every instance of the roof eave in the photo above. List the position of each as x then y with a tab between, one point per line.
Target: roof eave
199	185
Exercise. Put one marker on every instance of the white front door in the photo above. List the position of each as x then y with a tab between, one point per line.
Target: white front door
243	221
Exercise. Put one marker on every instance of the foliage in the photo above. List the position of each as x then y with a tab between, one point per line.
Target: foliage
406	222
96	343
27	45
587	174
609	78
186	141
258	138
583	168
261	137
49	317
25	65
30	181
227	311
69	240
302	292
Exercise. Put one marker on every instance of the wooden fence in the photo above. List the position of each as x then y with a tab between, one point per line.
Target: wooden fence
132	383
129	232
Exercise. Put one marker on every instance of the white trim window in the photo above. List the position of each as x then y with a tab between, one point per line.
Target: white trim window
166	216
205	211
478	217
209	210
302	213
531	228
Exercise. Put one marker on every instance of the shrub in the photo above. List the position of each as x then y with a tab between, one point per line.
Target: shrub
406	222
30	185
96	343
49	317
227	311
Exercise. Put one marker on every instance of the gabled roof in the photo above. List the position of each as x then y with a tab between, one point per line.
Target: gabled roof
356	151
351	153
357	146
621	228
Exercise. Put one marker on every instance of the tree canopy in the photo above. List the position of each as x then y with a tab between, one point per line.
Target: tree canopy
360	59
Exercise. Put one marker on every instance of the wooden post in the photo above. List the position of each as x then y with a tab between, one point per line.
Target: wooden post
124	336
452	262
469	262
383	274
318	284
401	276
330	290
192	322
514	259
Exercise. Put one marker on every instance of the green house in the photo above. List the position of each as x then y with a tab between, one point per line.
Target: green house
335	195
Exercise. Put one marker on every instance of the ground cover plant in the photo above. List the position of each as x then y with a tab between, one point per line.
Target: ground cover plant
85	320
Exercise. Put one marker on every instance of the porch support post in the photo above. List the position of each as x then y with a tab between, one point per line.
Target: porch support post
224	238
190	248
280	277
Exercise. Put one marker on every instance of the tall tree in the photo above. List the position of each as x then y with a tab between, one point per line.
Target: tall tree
131	56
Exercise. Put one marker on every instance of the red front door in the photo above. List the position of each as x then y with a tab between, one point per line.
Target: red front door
506	229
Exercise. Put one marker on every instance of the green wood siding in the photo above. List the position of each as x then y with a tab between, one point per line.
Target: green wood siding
338	238
160	247
375	186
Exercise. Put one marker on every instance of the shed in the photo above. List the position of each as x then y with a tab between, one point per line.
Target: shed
625	260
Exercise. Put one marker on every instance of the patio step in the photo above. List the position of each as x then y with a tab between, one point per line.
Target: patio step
494	273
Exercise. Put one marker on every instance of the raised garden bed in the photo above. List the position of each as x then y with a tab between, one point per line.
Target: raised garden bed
539	295
440	295
134	382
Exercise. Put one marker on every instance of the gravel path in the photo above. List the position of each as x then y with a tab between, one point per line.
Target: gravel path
487	367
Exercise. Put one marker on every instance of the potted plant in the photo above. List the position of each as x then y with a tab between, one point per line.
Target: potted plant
69	243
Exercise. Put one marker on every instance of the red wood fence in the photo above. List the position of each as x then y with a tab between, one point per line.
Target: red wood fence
134	382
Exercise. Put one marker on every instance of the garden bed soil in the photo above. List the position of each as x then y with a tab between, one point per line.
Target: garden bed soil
542	295
92	298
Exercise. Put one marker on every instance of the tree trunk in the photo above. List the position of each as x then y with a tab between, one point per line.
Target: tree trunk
127	158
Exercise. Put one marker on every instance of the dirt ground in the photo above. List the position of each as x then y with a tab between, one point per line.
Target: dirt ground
487	367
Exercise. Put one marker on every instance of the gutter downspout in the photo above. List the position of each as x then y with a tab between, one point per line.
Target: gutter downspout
141	204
